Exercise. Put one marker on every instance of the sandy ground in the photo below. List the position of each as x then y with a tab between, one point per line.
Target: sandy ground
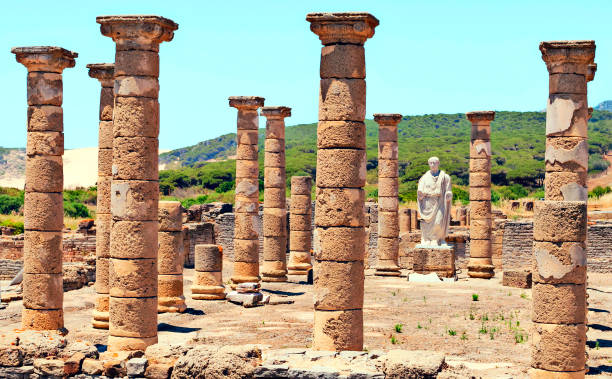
487	338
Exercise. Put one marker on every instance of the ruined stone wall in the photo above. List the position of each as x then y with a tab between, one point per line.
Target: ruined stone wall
203	233
599	248
9	268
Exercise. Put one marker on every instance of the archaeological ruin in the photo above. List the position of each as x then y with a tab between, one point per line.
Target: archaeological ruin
353	279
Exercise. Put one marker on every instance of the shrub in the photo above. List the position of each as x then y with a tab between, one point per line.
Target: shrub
225	186
186	203
9	204
461	195
599	191
76	210
18	225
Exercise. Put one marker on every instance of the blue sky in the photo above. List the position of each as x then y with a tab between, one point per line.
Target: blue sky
426	57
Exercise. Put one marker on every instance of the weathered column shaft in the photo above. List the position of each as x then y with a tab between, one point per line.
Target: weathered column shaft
300	226
43	211
134	187
104	72
560	222
246	207
480	264
208	283
274	217
170	258
341	175
388	201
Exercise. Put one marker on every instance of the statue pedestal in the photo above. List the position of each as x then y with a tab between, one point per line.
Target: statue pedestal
438	259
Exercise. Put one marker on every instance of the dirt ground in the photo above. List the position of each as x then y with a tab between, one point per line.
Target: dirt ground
488	337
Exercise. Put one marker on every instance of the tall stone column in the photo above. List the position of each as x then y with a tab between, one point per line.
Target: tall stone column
134	187
170	258
246	204
480	264
388	201
560	222
105	73
43	209
300	226
275	212
341	175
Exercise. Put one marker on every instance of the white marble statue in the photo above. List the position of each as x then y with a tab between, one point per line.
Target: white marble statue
434	198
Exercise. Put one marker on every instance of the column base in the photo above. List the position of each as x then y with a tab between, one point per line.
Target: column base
100	313
338	330
199	292
171	304
42	319
536	373
277	279
387	268
244	279
298	272
130	343
481	271
380	272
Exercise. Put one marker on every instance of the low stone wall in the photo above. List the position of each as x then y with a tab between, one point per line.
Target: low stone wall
199	233
9	268
599	248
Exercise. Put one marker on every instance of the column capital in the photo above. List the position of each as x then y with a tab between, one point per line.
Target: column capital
345	27
591	72
571	57
45	58
480	116
246	102
276	112
137	32
104	72
387	118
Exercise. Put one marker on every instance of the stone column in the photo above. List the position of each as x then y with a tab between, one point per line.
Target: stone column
43	211
560	222
208	273
300	226
275	212
341	175
388	201
480	264
135	188
246	204
170	258
104	72
405	226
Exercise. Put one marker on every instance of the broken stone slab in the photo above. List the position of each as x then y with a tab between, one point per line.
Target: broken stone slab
272	371
247	287
412	364
136	366
314	372
315	355
247	300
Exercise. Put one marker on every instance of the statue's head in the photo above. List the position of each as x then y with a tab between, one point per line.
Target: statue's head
434	164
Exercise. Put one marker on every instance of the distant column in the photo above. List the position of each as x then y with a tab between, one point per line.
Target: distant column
246	207
341	175
208	283
560	222
104	72
300	226
43	211
135	187
480	264
388	201
170	258
275	211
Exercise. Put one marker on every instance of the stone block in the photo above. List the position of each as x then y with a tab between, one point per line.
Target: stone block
440	260
208	278
136	117
338	330
247	168
481	130
102	275
331	291
170	258
133	317
340	244
136	366
44	173
560	221
342	100
208	257
274	222
480	193
388	187
566	186
274	270
42	252
134	239
301	185
275	129
159	370
247	137
103	230
301	222
248	188
45	118
43	211
169	286
559	262
387	133
567	115
480	229
388	204
120	343
340	207
480	165
107	103
170	216
246	250
558	347
567	83
275	248
135	200
136	63
388	224
43	291
388	248
387	150
274	159
42	319
248	119
103	195
301	204
245	226
274	198
245	272
45	143
567	154
274	145
133	278
11	356
480	148
388	168
341	134
343	61
274	177
480	179
341	168
480	248
517	279
412	364
45	88
559	303
136	86
300	240
105	162
480	210
247	152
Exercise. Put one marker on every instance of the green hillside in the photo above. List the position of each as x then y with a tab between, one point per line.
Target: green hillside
517	140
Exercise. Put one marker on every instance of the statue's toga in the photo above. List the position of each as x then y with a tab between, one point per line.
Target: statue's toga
434	198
